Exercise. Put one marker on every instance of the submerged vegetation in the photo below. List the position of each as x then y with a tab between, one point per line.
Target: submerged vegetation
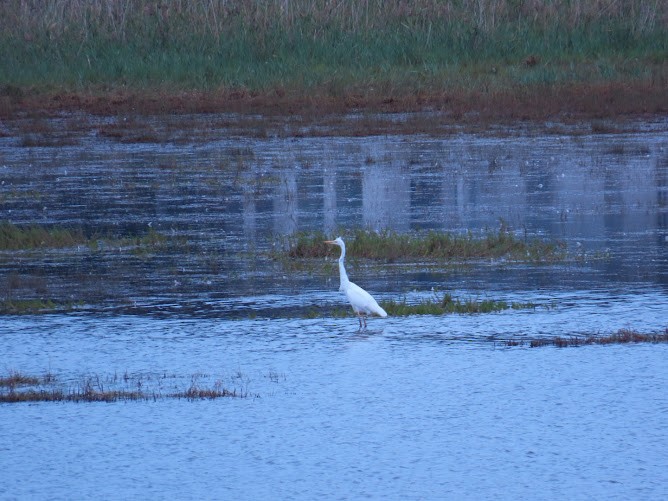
499	53
391	246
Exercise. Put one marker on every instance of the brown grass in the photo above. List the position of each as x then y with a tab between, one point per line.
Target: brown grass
622	336
17	387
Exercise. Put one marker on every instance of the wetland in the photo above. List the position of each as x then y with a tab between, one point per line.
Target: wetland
151	264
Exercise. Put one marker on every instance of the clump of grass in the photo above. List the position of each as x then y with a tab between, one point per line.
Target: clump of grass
622	336
14	237
448	304
195	393
17	387
23	306
61	396
307	245
26	237
17	379
391	246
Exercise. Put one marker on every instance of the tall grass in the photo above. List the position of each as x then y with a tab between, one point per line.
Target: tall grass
339	46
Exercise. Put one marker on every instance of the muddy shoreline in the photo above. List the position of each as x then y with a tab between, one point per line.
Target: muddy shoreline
567	103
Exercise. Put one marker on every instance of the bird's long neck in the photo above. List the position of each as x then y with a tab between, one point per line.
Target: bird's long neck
342	269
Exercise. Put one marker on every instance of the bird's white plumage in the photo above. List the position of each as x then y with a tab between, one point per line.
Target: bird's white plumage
362	302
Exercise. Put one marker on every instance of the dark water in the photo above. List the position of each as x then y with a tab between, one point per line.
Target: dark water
417	407
225	201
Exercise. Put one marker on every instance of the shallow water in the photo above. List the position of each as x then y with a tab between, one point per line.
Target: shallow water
415	407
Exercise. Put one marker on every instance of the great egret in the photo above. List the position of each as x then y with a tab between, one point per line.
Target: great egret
362	302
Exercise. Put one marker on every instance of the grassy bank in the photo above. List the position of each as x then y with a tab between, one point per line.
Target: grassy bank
459	56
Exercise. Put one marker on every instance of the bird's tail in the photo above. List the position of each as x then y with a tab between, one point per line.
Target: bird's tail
380	312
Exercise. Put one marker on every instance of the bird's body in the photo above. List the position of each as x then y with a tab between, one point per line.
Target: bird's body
362	302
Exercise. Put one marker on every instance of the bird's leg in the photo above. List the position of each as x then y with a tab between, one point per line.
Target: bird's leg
359	317
364	321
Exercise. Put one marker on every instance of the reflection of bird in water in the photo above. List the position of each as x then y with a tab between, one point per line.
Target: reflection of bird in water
362	302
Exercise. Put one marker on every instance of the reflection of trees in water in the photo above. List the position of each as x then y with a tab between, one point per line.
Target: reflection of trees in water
286	202
386	197
329	199
249	208
578	189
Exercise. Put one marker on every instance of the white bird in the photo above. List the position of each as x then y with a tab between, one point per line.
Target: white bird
362	302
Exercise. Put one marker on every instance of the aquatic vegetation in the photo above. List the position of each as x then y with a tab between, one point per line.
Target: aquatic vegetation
23	306
15	237
392	246
18	379
449	304
17	388
622	336
26	237
195	393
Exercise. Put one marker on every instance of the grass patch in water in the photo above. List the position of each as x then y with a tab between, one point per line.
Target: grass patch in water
622	336
391	246
437	306
17	388
28	237
17	379
449	304
14	237
23	306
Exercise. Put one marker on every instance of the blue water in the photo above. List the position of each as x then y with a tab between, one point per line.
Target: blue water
418	407
402	410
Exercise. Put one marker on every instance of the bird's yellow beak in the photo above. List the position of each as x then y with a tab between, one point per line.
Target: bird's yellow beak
330	242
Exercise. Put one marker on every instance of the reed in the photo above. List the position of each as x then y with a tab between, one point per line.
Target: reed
337	48
123	19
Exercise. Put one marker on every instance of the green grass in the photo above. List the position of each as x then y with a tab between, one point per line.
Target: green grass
391	246
335	47
27	237
13	237
23	306
448	304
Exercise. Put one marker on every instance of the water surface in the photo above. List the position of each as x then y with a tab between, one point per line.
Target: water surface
418	407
